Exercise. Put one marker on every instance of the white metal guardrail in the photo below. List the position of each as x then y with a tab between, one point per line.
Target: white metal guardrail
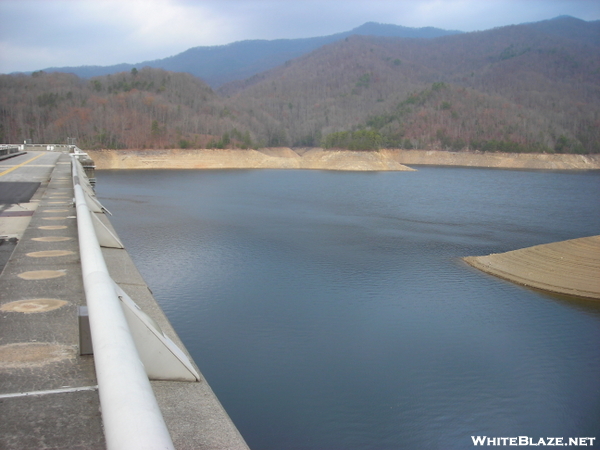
130	414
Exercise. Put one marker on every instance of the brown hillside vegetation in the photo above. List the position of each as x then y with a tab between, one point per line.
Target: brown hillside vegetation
525	88
509	85
146	108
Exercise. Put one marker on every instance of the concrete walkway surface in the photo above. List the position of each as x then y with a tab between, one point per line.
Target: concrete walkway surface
48	391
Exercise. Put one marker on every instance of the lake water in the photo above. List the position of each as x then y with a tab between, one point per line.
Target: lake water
332	310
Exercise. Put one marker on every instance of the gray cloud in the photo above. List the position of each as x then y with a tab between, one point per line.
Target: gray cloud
41	33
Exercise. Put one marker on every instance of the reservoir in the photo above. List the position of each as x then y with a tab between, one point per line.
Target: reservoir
332	310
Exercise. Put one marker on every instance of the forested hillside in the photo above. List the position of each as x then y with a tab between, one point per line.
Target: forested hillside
150	108
524	88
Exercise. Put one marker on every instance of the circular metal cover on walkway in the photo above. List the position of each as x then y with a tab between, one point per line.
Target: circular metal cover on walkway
35	305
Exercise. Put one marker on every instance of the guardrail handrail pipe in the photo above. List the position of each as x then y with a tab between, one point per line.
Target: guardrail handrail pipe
130	413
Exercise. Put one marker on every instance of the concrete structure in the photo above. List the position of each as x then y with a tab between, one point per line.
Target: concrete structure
48	391
9	151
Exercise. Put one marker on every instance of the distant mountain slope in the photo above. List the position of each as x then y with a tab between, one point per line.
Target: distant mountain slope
534	85
218	65
523	88
570	28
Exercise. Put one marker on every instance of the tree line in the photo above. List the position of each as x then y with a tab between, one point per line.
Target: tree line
512	89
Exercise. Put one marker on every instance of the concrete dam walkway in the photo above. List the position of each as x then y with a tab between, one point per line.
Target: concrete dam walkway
568	267
51	395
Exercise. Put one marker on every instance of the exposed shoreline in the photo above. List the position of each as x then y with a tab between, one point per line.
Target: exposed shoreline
320	159
567	267
537	161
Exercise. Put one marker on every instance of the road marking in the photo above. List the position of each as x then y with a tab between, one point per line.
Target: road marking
52	391
49	253
20	165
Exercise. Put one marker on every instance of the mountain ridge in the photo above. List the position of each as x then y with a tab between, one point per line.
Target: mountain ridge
438	92
519	88
220	64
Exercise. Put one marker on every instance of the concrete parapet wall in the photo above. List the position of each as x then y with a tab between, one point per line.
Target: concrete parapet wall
8	151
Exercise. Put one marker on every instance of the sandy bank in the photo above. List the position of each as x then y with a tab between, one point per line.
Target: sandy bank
274	158
498	160
319	159
569	267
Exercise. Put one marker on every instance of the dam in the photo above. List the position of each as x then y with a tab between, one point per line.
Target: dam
49	389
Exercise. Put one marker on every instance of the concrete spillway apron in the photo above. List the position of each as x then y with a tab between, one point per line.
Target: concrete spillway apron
130	414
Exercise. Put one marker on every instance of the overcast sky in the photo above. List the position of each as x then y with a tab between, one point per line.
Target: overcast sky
36	34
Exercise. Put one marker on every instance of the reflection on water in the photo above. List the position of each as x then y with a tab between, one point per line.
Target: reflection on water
331	310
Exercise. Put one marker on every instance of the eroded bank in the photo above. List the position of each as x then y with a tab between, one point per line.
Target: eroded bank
319	159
